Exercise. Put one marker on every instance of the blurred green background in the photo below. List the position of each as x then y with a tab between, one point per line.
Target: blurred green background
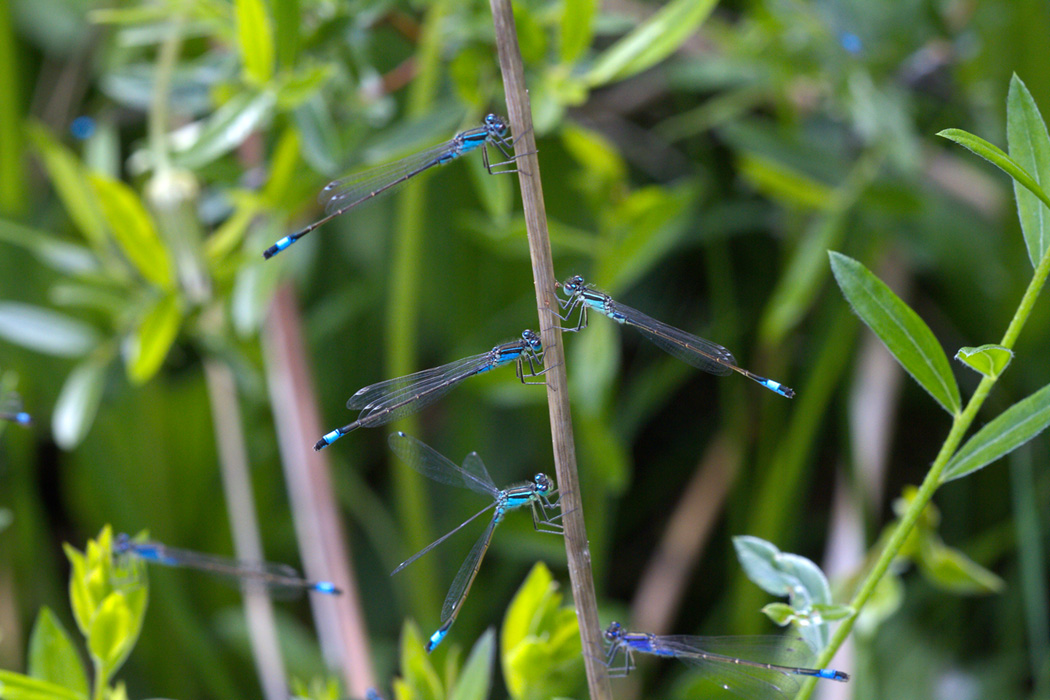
698	162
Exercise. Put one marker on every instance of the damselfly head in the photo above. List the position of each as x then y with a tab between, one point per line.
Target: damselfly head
121	544
532	340
496	124
543	482
614	631
573	285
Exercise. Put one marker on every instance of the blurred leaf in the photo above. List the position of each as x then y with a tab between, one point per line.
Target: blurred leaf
532	38
226	128
109	634
80	596
288	25
133	229
475	678
52	656
788	185
418	671
884	602
63	257
905	335
255	39
994	155
70	180
320	138
15	686
650	42
599	156
1012	428
953	571
1030	148
148	344
231	233
298	87
989	360
577	20
45	331
78	402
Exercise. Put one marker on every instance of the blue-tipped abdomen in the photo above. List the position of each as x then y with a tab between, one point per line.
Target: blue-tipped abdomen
326	587
435	639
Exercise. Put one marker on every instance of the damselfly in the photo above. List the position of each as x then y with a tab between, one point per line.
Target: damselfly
473	475
724	660
340	196
395	398
691	349
11	409
278	578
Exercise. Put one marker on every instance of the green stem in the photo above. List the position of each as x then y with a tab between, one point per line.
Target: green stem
960	425
12	184
167	58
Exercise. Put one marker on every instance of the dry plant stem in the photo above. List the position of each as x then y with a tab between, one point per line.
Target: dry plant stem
669	569
325	550
576	545
233	460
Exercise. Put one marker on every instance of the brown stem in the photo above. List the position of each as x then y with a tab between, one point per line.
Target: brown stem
576	546
325	550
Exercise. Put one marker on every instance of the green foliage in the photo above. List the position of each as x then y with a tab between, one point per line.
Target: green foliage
421	681
905	335
540	640
109	603
989	360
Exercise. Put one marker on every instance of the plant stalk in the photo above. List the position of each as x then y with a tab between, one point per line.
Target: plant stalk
576	545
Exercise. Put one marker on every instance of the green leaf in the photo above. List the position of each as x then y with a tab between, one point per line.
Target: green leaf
1029	146
288	23
109	636
67	258
520	618
80	596
953	571
296	88
989	360
788	185
52	656
905	335
133	229
651	42
255	39
15	686
416	667
577	28
148	344
994	155
780	613
475	679
70	179
227	128
78	402
1012	428
45	331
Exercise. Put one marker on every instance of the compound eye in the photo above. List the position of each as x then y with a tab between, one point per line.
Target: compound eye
491	119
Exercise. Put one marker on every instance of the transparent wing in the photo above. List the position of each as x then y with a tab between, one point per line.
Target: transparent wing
457	592
382	392
441	539
473	465
690	349
358	188
751	667
434	465
277	578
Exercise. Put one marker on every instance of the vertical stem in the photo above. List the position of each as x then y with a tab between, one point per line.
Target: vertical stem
325	550
576	546
233	459
12	184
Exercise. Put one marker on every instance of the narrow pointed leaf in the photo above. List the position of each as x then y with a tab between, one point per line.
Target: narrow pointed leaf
1012	428
577	28
995	155
15	686
149	343
475	679
133	229
52	656
651	42
1030	147
46	331
69	178
989	360
227	128
255	38
905	335
78	403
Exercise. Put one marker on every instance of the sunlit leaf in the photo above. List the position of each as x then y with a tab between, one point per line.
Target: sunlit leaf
989	360
995	155
905	335
1030	148
255	39
45	331
475	678
1012	428
134	230
227	128
953	571
15	686
651	42
416	666
110	633
77	403
148	344
69	178
52	656
67	258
